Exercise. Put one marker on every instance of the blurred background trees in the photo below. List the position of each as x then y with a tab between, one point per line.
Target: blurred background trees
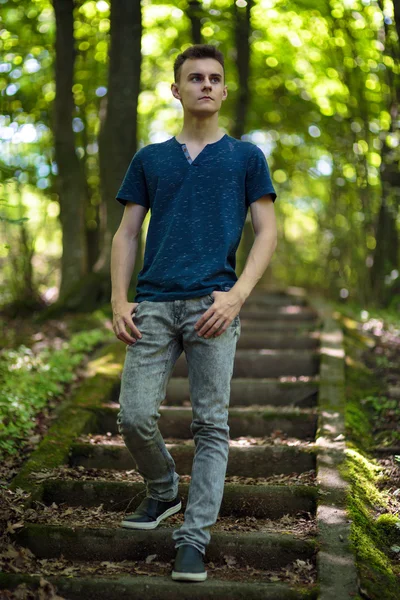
85	84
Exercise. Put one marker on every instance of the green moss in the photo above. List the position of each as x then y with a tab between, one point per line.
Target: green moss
54	448
360	383
369	542
374	567
389	526
358	426
369	536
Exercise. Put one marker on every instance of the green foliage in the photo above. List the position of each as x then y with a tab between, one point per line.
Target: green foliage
382	403
386	318
29	382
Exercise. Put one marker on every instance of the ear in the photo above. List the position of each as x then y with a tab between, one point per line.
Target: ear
175	91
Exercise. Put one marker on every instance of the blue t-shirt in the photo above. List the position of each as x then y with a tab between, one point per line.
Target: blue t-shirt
198	210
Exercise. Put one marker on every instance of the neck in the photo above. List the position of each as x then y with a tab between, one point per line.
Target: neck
200	131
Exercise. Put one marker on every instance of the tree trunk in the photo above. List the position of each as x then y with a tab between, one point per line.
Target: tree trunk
242	34
194	12
92	215
117	138
386	256
117	145
118	131
71	178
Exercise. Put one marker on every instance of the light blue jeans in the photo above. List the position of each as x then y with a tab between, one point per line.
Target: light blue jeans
167	329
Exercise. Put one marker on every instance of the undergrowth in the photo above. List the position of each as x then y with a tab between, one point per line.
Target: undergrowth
29	381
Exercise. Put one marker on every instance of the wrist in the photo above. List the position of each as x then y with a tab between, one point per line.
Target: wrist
118	300
240	292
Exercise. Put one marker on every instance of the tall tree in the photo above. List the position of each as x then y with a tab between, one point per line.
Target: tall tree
71	177
242	31
242	27
386	255
118	131
194	12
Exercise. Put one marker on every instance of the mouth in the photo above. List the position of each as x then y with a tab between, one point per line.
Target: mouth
205	98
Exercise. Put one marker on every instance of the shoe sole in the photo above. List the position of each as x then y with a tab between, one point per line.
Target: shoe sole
152	524
182	576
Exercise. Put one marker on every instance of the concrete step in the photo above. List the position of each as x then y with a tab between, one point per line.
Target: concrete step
265	363
258	550
283	313
279	294
253	339
275	300
279	325
260	501
257	461
246	391
250	421
286	391
145	587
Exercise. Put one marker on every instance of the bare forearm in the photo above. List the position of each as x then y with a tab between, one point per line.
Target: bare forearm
123	256
257	262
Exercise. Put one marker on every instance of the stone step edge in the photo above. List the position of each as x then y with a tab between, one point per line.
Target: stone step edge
262	460
175	421
265	315
270	412
238	499
312	380
90	543
100	455
312	448
144	587
336	565
286	353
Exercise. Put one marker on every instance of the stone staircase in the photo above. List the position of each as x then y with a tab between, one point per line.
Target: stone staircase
265	543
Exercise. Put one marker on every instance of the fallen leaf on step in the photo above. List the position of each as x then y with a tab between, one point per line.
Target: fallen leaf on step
150	558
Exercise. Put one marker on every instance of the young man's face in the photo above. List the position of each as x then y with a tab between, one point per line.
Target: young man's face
201	77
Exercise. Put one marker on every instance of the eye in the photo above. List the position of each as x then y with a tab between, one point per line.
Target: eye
197	77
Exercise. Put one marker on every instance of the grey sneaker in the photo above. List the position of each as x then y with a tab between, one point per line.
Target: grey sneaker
189	565
150	512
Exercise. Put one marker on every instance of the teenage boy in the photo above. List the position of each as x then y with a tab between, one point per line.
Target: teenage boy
198	186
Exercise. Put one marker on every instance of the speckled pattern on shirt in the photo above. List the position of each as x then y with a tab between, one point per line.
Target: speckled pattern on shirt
198	210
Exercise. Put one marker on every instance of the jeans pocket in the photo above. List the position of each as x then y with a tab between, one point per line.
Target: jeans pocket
137	309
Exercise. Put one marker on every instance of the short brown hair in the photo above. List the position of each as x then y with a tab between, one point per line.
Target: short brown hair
197	51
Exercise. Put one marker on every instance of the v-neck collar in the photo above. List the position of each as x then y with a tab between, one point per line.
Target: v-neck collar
186	151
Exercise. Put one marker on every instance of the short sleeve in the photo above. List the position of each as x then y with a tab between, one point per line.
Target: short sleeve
133	187
258	178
